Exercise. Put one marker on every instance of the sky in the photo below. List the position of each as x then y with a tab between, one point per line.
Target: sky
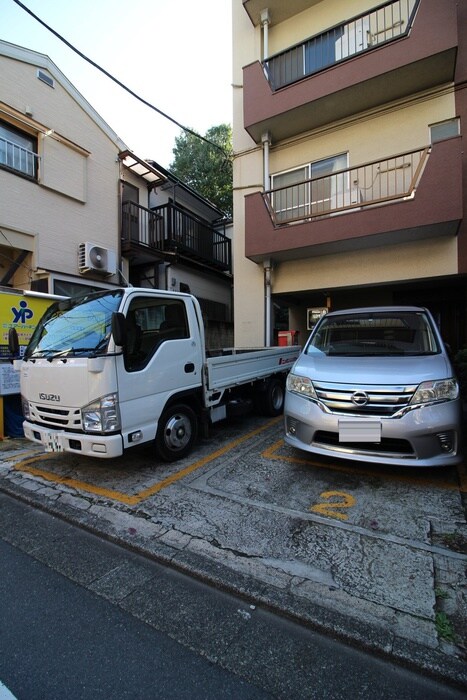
175	54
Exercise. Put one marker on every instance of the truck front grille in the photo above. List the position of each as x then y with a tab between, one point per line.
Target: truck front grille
381	400
69	419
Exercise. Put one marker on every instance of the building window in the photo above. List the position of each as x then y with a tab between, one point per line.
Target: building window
18	150
313	189
444	130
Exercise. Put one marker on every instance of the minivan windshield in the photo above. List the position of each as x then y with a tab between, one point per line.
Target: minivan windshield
79	326
374	333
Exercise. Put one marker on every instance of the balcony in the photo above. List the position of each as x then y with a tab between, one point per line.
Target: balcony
18	159
400	198
170	233
396	50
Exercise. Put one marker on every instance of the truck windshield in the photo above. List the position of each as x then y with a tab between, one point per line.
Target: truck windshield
78	326
379	333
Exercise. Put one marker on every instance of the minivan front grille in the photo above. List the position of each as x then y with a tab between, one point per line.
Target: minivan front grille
366	400
390	446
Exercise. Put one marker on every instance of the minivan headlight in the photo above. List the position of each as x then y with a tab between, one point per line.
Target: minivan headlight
301	385
102	415
440	390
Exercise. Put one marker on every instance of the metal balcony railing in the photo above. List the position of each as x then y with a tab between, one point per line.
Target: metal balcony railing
168	228
370	184
18	158
367	31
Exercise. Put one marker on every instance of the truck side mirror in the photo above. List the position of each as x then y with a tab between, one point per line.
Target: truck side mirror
119	328
13	342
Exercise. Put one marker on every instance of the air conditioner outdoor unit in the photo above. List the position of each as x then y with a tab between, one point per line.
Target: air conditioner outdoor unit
94	258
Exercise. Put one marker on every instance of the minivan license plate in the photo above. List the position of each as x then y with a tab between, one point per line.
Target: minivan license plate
359	430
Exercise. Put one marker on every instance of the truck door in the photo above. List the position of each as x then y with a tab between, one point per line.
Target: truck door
160	358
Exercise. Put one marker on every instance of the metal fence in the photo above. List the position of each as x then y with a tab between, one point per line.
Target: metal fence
387	22
370	184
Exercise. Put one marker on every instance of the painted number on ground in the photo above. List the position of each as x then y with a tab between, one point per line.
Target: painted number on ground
334	504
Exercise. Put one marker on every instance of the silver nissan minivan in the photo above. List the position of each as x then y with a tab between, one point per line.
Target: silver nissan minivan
375	385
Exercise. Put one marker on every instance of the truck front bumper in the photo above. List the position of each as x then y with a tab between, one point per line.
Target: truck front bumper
427	436
103	446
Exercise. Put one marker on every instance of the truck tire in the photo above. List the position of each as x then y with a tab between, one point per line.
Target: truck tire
272	399
176	432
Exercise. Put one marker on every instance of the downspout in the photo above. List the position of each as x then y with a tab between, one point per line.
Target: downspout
266	141
265	19
267	302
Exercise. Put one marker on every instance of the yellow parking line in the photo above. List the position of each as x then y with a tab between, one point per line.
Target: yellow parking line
271	453
26	466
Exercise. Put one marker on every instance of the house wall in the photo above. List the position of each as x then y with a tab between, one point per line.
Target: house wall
75	198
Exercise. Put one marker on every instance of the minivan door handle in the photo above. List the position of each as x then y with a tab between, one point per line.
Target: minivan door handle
189	367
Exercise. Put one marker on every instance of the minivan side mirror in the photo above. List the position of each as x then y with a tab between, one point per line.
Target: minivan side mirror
119	328
13	342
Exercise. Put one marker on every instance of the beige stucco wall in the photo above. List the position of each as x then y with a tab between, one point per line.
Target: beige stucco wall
76	196
409	261
374	136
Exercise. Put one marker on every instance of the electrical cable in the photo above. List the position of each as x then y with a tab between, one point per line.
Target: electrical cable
118	82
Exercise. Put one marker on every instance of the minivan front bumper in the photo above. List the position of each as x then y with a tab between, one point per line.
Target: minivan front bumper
425	436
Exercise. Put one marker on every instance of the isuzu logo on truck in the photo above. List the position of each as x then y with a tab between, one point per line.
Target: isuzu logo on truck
49	397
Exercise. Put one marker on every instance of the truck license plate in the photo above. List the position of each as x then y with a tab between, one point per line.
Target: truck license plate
52	442
359	430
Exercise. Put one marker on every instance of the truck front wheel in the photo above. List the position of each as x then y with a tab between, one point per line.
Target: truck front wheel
176	432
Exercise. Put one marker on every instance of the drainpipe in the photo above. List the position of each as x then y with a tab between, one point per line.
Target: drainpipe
267	301
265	19
266	141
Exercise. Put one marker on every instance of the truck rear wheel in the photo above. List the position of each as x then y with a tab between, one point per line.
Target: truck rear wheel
272	400
176	432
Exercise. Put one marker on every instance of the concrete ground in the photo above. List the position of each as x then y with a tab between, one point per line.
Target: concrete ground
371	555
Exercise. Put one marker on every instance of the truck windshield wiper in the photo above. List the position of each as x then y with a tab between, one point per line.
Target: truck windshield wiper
52	353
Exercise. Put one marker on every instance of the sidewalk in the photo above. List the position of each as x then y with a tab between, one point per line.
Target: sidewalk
220	517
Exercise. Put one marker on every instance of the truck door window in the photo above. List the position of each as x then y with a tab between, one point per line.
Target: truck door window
151	322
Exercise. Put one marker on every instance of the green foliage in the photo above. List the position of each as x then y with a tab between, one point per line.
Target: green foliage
444	627
205	168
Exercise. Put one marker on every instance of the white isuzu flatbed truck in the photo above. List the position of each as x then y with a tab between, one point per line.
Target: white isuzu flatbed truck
109	370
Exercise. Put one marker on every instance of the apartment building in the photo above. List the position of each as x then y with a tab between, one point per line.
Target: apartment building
349	161
80	211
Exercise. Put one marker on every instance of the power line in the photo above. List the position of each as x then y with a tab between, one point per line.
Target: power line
118	82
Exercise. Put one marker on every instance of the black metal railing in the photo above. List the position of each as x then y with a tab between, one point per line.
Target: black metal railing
168	228
385	23
370	184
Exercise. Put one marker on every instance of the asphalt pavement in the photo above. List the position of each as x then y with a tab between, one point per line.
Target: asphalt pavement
374	558
83	619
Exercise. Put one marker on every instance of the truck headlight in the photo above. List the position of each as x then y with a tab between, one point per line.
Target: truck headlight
301	385
440	390
101	415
